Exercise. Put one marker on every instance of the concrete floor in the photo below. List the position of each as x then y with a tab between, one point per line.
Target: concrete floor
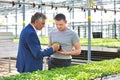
8	49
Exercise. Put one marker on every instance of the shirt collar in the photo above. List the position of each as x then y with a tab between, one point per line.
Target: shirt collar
34	28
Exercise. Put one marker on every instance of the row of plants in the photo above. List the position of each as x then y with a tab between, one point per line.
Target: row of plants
104	42
88	71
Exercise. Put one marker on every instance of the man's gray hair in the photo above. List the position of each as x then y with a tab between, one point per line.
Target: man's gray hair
37	16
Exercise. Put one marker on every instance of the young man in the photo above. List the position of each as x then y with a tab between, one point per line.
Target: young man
68	40
30	55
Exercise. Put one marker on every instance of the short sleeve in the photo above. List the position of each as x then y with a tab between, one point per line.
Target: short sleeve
49	36
75	38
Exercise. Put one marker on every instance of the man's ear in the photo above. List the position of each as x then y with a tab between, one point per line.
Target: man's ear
35	23
66	21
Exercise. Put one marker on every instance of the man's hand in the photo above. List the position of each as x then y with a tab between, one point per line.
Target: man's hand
63	51
56	47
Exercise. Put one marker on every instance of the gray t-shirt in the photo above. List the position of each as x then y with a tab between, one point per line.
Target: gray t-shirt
66	38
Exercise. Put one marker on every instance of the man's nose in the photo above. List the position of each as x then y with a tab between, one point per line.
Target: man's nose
59	26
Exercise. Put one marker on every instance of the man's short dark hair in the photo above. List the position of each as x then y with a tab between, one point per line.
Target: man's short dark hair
60	16
37	16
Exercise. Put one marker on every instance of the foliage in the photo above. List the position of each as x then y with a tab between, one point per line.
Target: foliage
88	71
43	40
104	42
55	43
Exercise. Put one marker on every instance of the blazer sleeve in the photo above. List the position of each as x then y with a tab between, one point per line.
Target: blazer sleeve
35	49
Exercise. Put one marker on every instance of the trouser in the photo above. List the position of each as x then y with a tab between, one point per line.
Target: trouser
57	63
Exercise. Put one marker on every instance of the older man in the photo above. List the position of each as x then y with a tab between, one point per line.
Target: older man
30	55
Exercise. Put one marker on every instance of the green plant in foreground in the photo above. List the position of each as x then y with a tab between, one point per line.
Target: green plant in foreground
86	71
55	42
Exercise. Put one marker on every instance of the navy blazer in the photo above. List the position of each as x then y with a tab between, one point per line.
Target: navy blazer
30	55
